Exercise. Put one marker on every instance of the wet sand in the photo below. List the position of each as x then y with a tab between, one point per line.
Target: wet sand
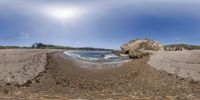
64	79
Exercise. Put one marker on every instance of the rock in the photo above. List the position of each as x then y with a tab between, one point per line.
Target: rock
137	48
116	52
137	54
139	44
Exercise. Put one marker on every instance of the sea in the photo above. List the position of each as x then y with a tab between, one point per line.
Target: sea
93	55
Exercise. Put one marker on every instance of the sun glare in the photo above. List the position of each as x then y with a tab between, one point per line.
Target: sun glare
63	13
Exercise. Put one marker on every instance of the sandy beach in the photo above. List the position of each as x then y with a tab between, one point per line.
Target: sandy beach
99	50
50	76
185	64
19	65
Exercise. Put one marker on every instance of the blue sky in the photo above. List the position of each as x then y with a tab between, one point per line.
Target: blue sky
98	23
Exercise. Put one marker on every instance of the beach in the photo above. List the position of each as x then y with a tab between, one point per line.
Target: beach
55	77
185	64
19	65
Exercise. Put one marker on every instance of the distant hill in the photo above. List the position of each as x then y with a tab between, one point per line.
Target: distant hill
49	46
182	46
9	47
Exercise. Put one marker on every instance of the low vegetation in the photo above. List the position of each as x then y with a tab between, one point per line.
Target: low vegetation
49	46
183	46
9	47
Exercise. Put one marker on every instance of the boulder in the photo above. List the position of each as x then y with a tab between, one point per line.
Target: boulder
138	48
137	54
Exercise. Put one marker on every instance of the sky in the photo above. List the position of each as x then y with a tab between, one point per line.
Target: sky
98	23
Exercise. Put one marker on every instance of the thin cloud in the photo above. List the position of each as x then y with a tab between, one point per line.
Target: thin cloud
77	43
101	19
24	35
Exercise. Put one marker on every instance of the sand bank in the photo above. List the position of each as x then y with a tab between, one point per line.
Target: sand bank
19	65
185	64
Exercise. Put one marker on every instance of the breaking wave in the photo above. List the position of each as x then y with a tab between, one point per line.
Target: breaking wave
99	56
108	56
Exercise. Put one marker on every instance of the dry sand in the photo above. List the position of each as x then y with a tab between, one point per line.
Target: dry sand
185	64
19	65
64	79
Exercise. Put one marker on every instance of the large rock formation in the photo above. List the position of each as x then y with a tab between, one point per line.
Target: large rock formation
137	48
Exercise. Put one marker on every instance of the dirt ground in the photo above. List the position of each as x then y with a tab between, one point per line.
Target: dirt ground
63	79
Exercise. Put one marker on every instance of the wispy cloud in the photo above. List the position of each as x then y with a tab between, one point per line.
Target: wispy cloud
38	6
24	35
77	43
97	21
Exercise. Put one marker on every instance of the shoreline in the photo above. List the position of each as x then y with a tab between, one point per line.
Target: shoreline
135	75
62	78
93	65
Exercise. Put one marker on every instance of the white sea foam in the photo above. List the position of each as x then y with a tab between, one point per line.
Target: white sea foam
96	59
92	58
67	53
108	56
99	56
71	54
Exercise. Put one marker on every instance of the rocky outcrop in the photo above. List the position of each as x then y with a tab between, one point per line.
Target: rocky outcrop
137	54
137	48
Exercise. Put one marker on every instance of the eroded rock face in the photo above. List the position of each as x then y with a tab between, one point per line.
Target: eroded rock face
137	48
137	54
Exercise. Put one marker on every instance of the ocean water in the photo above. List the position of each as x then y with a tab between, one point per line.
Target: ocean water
93	56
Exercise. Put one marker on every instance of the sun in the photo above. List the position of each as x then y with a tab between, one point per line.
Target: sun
63	13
